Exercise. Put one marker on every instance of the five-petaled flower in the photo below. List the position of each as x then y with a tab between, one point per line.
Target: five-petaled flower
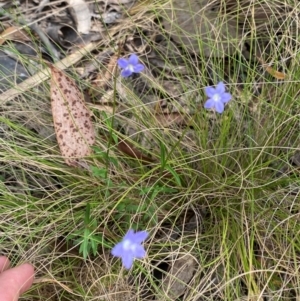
130	65
130	247
217	97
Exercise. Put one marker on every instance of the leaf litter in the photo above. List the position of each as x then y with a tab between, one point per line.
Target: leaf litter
82	15
72	120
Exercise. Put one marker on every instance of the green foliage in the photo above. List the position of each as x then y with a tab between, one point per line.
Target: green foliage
86	237
145	209
105	156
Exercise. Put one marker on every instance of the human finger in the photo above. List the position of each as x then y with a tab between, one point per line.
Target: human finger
16	281
4	263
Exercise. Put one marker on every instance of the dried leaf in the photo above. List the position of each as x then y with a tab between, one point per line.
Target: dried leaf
132	152
72	120
275	73
168	119
103	80
13	33
270	70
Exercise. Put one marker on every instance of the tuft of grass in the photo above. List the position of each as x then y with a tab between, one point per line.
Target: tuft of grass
235	174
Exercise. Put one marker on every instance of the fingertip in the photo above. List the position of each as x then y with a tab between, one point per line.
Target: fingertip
27	270
4	263
27	267
16	281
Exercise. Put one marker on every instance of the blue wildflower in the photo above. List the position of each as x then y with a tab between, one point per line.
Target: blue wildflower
130	247
130	66
217	97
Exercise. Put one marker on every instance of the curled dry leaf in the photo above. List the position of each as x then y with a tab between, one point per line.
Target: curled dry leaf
270	70
72	120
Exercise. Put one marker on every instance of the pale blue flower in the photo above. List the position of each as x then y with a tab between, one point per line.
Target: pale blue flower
130	247
130	65
218	97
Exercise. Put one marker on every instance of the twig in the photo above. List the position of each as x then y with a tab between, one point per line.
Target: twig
43	75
